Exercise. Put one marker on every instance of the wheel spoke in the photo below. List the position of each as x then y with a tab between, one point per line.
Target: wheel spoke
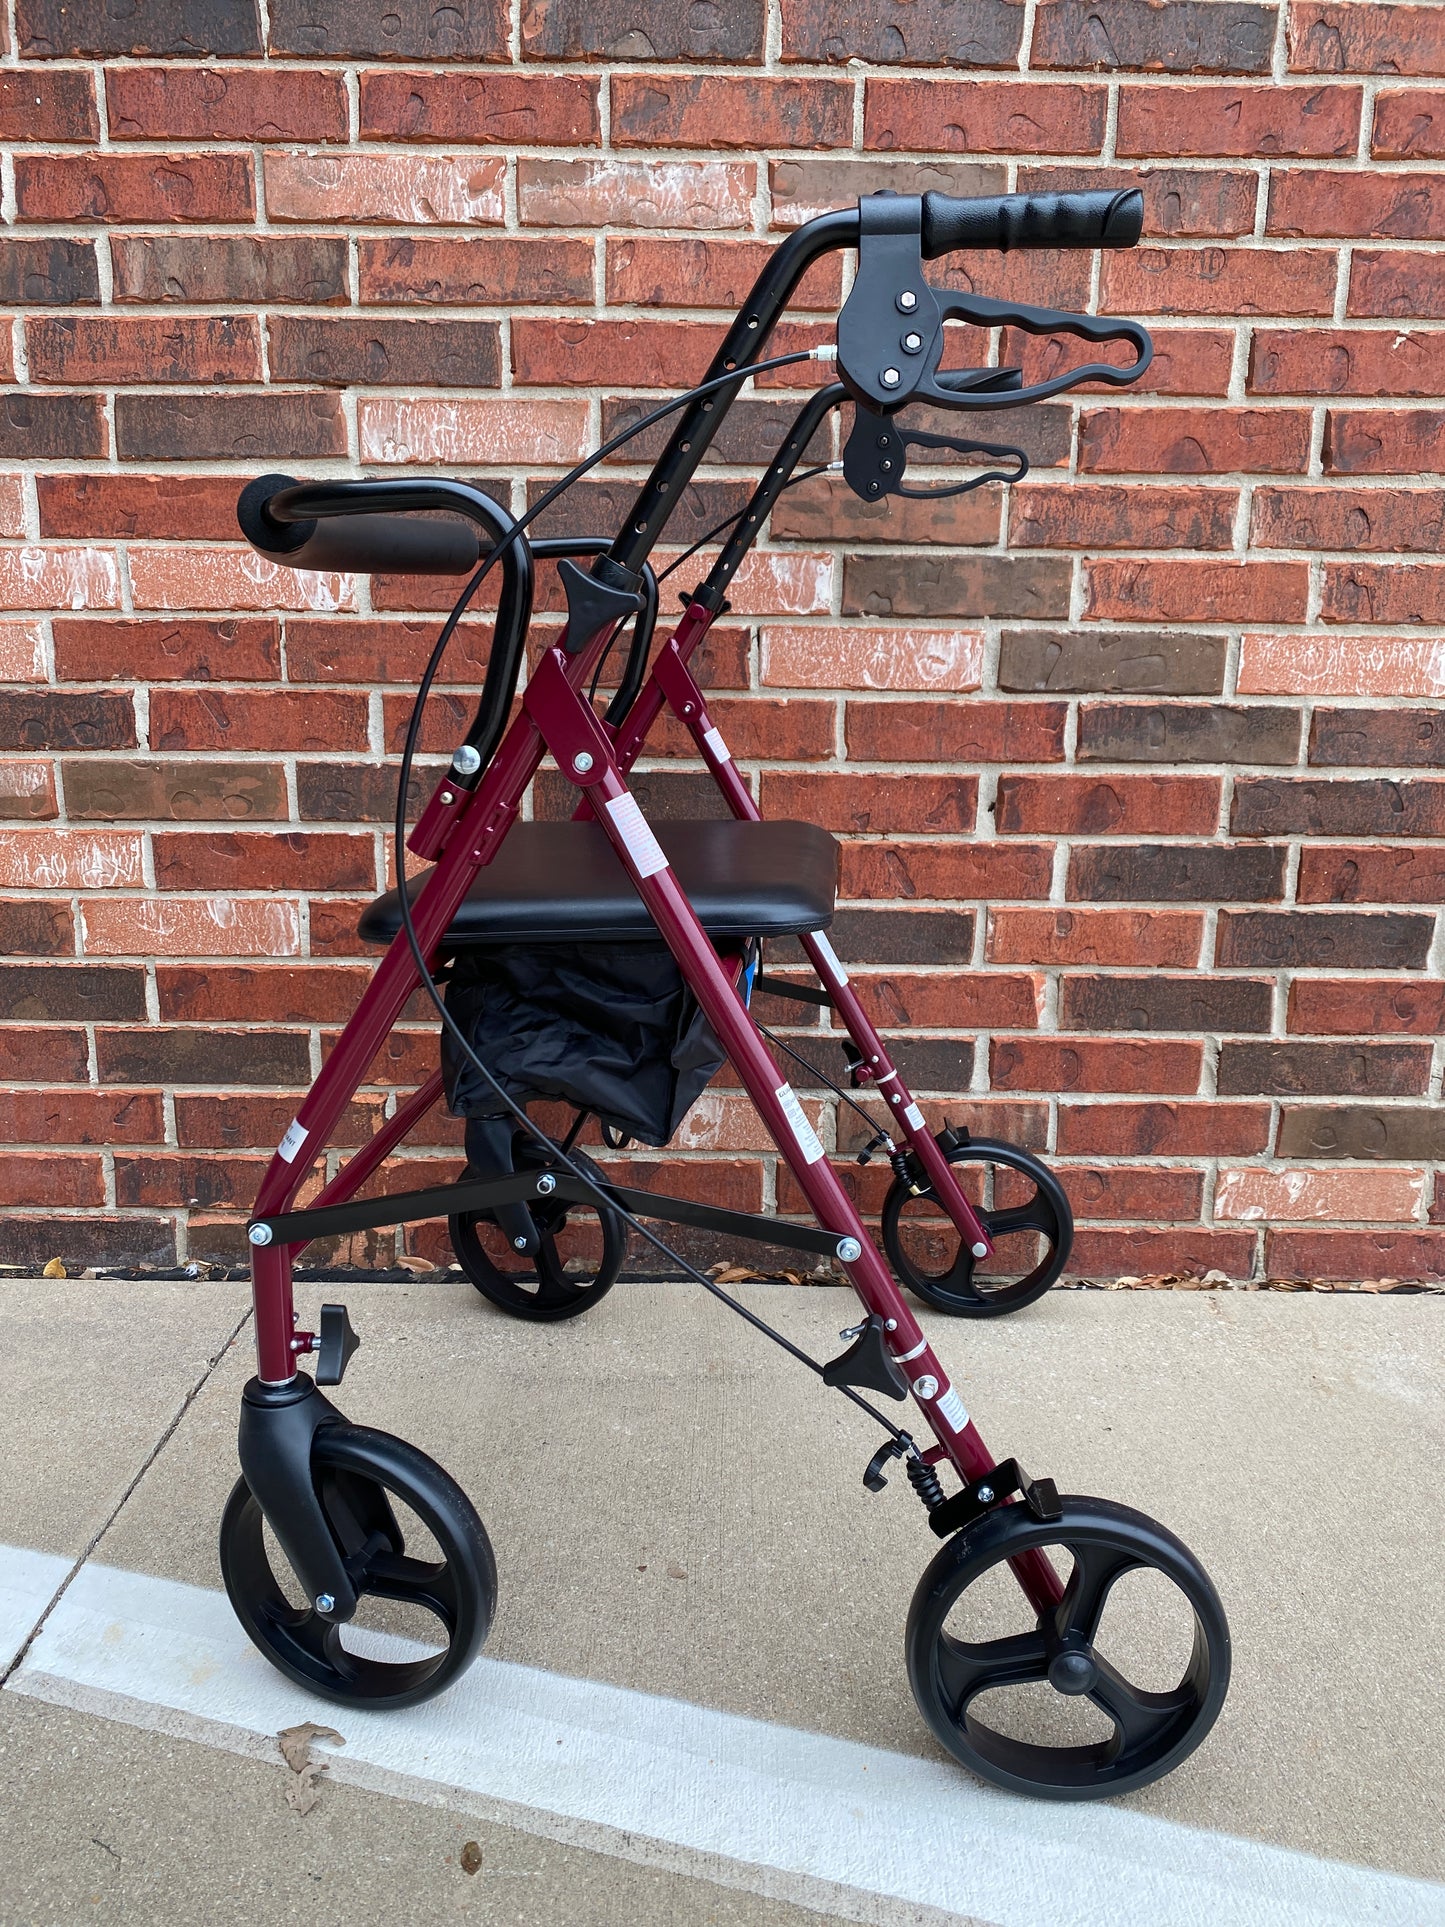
1141	1719
416	1582
1036	1215
966	1670
1096	1568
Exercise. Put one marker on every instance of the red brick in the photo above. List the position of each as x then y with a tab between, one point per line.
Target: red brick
361	29
32	1055
1163	1130
104	350
856	805
185	927
1375	592
1111	1192
853	658
223	268
1350	1256
780	729
241	719
1333	517
12	522
1323	361
54	105
1371	875
1365	37
1047	277
124	503
27	791
34	927
245	1120
513	110
1409	126
22	652
371	652
646	194
1187	361
134	187
1194	441
992	1000
694	273
707	110
1140	34
961	732
1044	937
491	269
226	651
1370	205
1082	515
227	104
415	189
70	860
936	33
259	861
651	29
506	428
985	116
287	993
51	1179
81	1117
37	578
1365	1006
1341	666
1112	1064
170	1180
1196	591
1217	280
1133	1253
585	353
990	871
1379	441
202	578
1263	120
1396	281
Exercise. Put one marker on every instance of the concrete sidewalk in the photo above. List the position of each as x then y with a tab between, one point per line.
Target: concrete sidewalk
676	1509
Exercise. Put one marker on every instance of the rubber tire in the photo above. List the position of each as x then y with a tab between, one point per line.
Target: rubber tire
1012	1529
556	1297
277	1627
961	1302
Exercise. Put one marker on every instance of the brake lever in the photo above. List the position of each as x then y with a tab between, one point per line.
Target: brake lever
984	312
875	459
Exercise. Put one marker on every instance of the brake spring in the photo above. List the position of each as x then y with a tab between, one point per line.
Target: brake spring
924	1480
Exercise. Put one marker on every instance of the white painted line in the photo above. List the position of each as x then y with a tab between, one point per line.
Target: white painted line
804	1804
28	1582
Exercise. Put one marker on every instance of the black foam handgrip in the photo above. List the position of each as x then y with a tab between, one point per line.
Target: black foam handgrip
355	544
1005	221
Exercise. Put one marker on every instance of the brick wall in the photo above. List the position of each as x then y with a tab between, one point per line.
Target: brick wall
1134	768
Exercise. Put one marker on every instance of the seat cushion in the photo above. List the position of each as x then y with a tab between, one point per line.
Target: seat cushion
558	882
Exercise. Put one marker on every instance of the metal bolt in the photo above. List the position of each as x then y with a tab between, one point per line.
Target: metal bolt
979	1251
325	1603
259	1234
519	1244
912	343
546	1184
849	1251
890	377
582	762
468	760
448	797
985	1495
907	301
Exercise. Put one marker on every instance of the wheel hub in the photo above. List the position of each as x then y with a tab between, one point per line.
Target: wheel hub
1073	1671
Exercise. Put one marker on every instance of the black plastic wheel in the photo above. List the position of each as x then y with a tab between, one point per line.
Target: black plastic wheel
1069	1724
358	1472
540	1285
1032	1235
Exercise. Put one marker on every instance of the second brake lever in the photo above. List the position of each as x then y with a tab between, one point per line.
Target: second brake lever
875	459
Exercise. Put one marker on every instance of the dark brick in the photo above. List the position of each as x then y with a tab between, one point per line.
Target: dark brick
1354	1070
106	788
50	29
73	993
181	508
802	188
1176	873
922	33
1322	939
1218	37
58	719
1208	1004
351	792
538	109
826	510
937	731
956	585
249	268
423	354
48	106
87	1240
34	927
750	433
37	272
933	1063
1187	733
203	1056
1146	663
51	427
1392	738
642	30
1413	1133
1286	806
379	29
228	427
604	504
903	936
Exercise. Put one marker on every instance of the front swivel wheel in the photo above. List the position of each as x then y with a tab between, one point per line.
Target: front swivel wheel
1106	1691
1025	1211
426	1589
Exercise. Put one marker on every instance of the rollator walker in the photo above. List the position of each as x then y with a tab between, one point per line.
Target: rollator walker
608	965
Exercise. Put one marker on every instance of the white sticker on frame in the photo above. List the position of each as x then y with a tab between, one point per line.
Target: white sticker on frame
290	1144
641	845
798	1123
714	741
951	1407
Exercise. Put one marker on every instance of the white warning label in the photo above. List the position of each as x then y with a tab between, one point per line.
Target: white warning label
802	1130
714	741
641	845
952	1409
915	1116
290	1144
830	956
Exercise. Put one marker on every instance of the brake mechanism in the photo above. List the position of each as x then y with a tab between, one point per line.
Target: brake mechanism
875	458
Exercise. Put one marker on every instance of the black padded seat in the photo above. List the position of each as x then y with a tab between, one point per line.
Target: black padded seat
562	883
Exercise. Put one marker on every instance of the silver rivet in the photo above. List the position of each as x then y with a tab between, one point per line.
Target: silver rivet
912	343
546	1184
519	1244
582	762
849	1250
259	1234
979	1251
468	760
908	301
890	1324
890	378
448	797
325	1603
985	1495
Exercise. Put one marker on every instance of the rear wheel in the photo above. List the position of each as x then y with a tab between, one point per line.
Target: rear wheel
580	1248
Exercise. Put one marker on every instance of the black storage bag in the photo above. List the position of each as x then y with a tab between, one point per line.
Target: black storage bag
613	1031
